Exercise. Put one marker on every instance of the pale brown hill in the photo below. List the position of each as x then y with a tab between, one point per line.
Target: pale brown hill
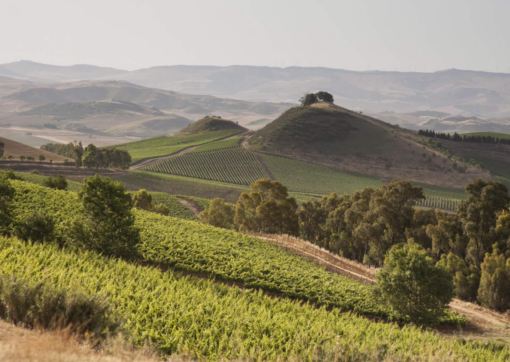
16	149
333	136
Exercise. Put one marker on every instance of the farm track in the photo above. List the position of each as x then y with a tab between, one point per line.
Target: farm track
190	205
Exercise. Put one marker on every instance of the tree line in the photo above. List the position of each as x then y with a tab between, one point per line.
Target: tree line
463	138
472	245
91	156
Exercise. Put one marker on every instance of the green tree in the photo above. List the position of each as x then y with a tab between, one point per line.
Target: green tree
465	280
142	200
413	286
22	158
267	208
324	97
58	182
494	291
479	213
219	214
41	158
36	227
161	209
106	223
308	99
2	148
6	212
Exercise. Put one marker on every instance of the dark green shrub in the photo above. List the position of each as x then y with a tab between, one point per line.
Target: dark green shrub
58	182
36	227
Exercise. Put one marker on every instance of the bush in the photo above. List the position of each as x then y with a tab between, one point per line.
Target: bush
219	214
106	223
494	291
58	182
36	227
6	196
161	209
413	286
34	305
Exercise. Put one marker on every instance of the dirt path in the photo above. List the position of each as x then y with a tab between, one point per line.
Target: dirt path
191	206
150	161
483	324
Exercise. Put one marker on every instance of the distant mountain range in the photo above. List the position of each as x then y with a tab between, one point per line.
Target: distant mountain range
456	92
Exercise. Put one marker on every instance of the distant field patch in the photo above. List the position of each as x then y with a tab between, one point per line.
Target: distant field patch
232	165
163	145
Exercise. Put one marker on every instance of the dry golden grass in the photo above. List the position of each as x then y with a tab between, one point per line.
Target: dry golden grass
16	149
22	345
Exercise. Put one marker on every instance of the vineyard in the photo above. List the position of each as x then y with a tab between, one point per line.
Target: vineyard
208	321
163	145
439	203
222	254
232	165
219	145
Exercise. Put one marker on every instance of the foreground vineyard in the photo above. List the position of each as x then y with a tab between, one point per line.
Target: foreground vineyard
183	315
232	165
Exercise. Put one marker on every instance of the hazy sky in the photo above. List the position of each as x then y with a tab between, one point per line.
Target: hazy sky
421	35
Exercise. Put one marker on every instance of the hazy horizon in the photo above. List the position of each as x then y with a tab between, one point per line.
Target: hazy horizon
395	35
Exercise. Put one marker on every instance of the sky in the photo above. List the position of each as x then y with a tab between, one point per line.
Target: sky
389	35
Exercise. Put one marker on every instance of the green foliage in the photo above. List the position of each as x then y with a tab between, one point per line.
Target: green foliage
486	199
232	165
213	322
106	158
58	182
163	145
36	227
413	287
267	208
142	200
2	148
6	196
71	150
219	214
494	291
42	158
105	223
465	280
38	305
211	124
364	225
324	97
308	99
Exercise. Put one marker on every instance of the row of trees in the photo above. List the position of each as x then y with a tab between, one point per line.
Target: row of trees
311	98
463	138
2	148
473	245
91	156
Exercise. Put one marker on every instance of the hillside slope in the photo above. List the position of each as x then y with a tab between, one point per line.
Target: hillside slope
211	123
333	136
16	149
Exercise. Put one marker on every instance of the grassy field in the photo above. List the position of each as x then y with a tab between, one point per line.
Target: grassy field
219	145
162	146
231	165
16	149
321	180
179	185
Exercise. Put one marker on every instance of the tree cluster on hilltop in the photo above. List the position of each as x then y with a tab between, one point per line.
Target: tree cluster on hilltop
311	98
464	138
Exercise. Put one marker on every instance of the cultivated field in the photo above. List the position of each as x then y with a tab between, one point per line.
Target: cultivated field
16	149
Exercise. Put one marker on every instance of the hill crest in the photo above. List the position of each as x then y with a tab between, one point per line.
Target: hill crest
210	124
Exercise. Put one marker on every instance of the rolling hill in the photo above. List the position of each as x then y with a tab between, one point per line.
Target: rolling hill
333	136
16	149
211	123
